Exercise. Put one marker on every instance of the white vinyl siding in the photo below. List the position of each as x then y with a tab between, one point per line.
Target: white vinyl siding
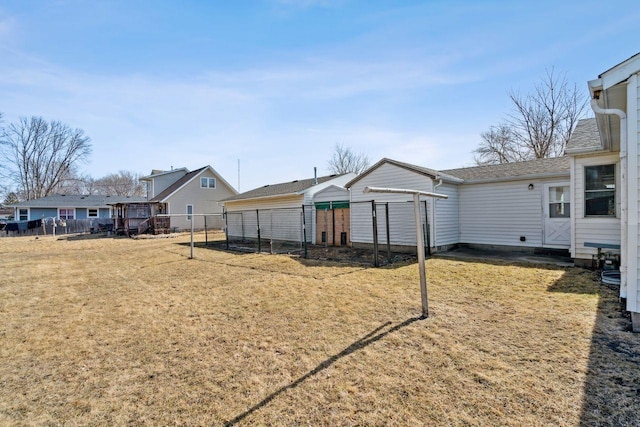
447	228
500	213
593	229
401	215
634	138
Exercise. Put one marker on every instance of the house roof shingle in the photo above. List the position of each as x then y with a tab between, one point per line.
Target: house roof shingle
77	201
283	188
555	166
585	137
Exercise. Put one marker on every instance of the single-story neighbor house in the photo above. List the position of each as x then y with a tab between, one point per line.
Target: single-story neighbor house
278	208
69	207
606	177
511	206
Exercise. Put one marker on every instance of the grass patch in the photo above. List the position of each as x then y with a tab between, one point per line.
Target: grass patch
121	331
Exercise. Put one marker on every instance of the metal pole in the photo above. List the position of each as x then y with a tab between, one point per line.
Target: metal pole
427	228
206	236
333	225
191	257
386	213
326	229
420	248
258	223
304	232
375	233
226	224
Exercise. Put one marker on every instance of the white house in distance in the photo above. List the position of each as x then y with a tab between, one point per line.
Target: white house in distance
510	206
606	176
278	209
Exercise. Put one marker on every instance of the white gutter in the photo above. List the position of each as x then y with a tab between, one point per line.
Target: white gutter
624	223
433	217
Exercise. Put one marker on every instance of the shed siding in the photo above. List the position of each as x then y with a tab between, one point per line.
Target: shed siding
401	217
447	216
592	229
204	201
331	194
499	213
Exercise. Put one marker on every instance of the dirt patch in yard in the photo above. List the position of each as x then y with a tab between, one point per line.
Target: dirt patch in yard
122	331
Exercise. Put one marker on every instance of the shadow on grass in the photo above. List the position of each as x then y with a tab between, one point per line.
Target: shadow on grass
363	342
612	385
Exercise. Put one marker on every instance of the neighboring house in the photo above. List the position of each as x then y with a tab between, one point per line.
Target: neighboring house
179	193
69	207
278	209
606	177
515	205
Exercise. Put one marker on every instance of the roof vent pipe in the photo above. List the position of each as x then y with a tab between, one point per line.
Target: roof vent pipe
315	175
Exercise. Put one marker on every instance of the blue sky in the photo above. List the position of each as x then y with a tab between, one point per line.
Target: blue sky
277	83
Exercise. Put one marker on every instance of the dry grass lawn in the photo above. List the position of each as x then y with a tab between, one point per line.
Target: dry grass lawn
132	332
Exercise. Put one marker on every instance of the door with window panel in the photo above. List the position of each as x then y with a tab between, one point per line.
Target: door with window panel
557	215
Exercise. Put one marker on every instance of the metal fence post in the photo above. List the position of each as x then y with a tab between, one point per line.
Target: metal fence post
375	233
304	232
258	224
226	225
386	211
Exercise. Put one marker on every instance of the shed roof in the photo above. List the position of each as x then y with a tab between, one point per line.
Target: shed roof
585	137
291	187
555	166
77	201
431	173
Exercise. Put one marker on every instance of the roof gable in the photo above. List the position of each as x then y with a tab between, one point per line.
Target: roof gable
585	137
186	179
430	173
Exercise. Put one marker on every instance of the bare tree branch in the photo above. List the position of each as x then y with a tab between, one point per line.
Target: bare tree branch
343	160
540	123
38	155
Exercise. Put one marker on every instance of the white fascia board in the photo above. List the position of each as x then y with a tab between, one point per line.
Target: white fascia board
620	73
520	178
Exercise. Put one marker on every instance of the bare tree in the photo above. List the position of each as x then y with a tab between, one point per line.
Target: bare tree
498	146
343	160
123	183
539	125
38	155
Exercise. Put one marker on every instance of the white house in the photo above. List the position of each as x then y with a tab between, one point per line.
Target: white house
513	206
606	177
277	208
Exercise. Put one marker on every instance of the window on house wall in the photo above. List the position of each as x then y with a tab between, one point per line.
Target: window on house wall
189	212
92	213
559	206
23	214
66	213
600	190
207	182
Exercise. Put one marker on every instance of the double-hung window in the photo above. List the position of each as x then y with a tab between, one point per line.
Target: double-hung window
92	213
207	182
189	212
23	214
600	190
67	213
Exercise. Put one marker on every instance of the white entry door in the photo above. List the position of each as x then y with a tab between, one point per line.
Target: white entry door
557	215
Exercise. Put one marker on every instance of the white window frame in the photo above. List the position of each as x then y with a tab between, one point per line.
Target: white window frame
67	214
97	215
20	211
208	181
189	212
615	190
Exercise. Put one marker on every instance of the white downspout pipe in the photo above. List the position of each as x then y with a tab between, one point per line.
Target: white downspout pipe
624	223
435	233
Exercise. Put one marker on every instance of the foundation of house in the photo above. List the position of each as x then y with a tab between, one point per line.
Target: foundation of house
635	322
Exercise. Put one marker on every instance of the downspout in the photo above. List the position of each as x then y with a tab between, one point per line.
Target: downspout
434	219
624	224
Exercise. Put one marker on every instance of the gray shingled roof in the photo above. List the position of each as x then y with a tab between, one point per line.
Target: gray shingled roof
76	201
585	137
291	187
557	166
179	183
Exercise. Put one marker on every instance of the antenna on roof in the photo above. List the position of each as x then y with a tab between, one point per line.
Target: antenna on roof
315	175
